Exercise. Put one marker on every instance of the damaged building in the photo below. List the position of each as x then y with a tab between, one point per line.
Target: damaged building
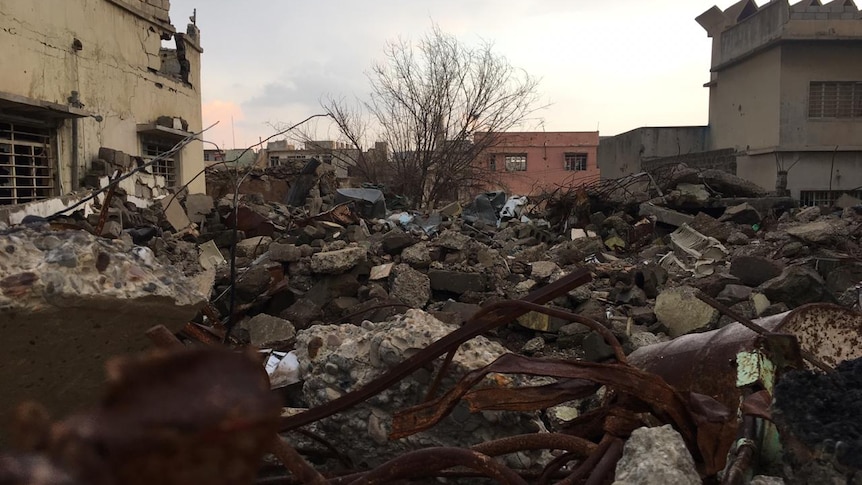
81	76
785	103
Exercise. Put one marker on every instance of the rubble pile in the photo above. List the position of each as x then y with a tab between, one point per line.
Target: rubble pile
337	359
340	292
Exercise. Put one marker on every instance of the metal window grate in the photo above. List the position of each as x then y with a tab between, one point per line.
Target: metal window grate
166	167
26	164
825	197
516	163
835	100
575	162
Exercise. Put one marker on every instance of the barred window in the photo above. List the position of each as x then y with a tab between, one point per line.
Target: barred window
166	167
516	162
825	197
26	163
575	162
492	163
835	100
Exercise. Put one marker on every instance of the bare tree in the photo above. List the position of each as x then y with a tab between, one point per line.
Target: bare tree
438	105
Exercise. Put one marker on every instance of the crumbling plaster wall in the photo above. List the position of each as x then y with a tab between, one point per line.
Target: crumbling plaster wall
115	73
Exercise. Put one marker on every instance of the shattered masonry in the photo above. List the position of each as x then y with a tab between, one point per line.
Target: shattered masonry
356	315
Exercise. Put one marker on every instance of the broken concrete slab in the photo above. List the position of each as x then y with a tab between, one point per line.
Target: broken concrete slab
253	247
732	294
742	214
265	330
682	312
656	456
808	214
711	227
754	270
302	313
284	253
816	232
340	261
381	272
665	215
456	281
452	240
418	255
198	207
410	286
395	241
112	230
542	270
70	300
174	213
795	286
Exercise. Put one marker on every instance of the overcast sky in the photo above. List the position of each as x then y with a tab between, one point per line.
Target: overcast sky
611	65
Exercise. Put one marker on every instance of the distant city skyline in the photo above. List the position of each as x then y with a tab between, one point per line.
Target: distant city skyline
606	66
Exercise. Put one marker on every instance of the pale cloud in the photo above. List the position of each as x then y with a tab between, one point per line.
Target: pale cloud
231	124
617	65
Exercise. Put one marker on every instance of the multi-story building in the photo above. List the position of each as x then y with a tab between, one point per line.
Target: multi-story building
526	163
785	100
786	94
230	158
86	74
336	154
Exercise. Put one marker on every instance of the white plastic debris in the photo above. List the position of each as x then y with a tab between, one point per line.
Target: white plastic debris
513	207
282	368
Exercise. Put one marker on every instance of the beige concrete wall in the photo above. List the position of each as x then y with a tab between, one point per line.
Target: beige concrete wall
623	154
811	61
113	72
814	170
760	169
744	103
807	170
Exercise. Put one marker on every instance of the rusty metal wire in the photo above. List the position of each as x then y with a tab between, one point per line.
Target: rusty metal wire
539	441
424	463
294	462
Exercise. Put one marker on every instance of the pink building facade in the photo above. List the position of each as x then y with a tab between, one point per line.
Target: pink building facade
527	163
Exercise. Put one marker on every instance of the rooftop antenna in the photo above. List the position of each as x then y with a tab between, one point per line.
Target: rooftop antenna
194	17
233	131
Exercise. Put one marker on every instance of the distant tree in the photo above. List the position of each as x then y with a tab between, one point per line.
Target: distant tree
438	105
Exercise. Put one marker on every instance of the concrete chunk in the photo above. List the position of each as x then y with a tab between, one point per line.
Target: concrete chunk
681	312
455	281
335	262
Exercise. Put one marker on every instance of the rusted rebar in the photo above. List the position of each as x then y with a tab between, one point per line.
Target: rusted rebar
485	319
606	467
537	441
425	463
294	462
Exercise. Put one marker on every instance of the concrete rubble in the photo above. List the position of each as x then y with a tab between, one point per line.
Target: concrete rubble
349	296
340	358
654	456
